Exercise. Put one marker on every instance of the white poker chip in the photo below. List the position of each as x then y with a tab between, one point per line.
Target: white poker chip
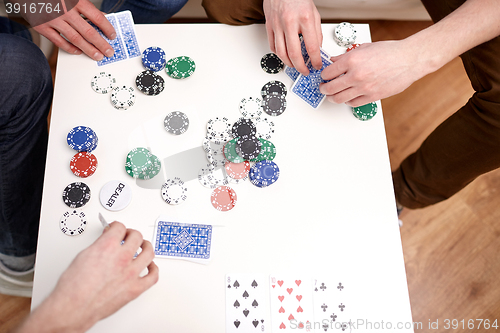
344	34
103	82
122	97
265	128
215	152
73	223
174	191
115	195
212	177
219	129
251	107
176	122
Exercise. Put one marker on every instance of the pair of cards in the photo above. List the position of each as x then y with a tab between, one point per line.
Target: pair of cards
192	242
307	87
125	44
256	303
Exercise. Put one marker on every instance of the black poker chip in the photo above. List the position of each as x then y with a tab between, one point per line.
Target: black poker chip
243	127
271	63
273	88
150	83
76	195
248	147
274	105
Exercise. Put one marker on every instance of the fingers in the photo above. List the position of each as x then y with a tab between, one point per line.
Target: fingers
270	36
56	38
145	257
151	278
295	53
98	18
311	39
132	241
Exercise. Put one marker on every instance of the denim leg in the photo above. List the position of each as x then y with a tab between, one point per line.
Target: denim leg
25	99
145	11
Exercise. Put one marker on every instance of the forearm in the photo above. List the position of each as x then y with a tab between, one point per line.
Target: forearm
473	23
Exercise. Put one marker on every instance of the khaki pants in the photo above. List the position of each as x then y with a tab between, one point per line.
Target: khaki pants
463	147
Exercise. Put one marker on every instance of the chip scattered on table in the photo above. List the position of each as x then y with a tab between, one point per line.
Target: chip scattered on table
176	123
102	83
122	97
271	63
174	191
219	129
142	164
365	112
150	83
274	105
73	223
83	164
223	198
273	88
251	107
264	173
180	67
76	195
153	58
82	138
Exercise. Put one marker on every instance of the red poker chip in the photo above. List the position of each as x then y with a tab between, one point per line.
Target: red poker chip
237	170
83	164
352	47
223	198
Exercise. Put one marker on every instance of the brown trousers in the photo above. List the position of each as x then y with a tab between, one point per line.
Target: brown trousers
463	147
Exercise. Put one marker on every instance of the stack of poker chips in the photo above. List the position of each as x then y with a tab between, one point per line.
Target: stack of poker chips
84	140
344	34
365	112
180	67
153	58
150	83
142	164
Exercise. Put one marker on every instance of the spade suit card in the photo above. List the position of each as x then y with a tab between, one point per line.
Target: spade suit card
332	306
247	303
291	303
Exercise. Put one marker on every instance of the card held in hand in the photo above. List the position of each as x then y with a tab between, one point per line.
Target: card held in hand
291	304
247	303
183	240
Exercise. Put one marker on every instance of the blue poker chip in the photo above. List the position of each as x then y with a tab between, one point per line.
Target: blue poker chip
153	58
264	173
82	138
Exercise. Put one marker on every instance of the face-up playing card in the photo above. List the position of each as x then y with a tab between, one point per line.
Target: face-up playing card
331	304
125	44
307	87
247	303
291	304
183	241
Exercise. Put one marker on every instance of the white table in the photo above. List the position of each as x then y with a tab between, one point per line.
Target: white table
331	211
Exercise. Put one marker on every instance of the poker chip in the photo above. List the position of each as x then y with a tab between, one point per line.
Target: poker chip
102	83
352	47
176	123
248	147
212	177
365	112
153	58
273	88
230	152
76	195
271	63
344	34
115	195
267	151
214	152
82	138
251	107
142	164
274	105
264	173
180	67
149	83
237	170
223	198
243	127
73	223
174	191
122	97
83	164
264	128
219	129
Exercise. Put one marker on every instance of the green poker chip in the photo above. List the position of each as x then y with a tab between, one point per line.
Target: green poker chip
365	112
140	163
230	152
180	67
267	151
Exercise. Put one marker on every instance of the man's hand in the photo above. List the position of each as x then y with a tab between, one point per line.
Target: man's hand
372	71
285	20
102	279
81	36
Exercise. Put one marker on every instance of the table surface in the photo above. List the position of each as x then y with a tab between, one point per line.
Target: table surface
331	212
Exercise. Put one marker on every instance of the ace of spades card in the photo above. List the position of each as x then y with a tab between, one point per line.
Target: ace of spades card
247	303
332	307
291	304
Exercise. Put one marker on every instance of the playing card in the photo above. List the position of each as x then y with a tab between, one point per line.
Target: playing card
307	87
291	71
125	44
183	241
291	304
331	304
247	303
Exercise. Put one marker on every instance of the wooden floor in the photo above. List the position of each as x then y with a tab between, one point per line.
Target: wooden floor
451	249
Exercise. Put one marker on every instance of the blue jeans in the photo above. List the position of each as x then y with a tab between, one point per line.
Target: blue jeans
25	98
145	11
